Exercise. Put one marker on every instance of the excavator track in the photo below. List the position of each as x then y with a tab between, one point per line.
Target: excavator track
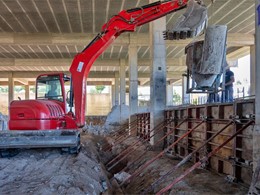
12	141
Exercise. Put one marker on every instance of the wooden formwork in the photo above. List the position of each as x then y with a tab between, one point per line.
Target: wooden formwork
143	125
235	158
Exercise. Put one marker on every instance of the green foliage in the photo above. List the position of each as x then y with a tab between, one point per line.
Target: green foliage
100	88
4	89
32	89
239	82
18	89
97	89
195	101
93	91
176	98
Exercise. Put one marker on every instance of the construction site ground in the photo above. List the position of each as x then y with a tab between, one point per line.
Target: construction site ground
47	171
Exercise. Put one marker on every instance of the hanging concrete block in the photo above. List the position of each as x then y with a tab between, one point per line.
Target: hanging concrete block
205	58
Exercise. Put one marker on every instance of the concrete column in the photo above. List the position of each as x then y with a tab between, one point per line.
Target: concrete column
158	77
116	89
122	81
169	94
133	83
252	70
256	135
113	94
185	96
27	92
10	88
133	80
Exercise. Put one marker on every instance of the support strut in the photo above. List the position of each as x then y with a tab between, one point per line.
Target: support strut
185	159
203	160
125	135
142	168
128	149
142	141
159	141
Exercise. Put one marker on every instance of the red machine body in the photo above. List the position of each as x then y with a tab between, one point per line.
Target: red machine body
46	114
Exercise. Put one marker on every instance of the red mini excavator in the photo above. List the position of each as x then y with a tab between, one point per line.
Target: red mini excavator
47	121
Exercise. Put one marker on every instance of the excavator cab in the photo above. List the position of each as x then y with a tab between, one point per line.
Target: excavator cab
43	122
52	87
49	86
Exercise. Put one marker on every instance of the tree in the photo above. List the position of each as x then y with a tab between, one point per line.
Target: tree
176	98
18	89
4	89
32	89
97	89
100	88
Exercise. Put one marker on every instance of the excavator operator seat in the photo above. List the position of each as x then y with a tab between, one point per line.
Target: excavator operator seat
49	87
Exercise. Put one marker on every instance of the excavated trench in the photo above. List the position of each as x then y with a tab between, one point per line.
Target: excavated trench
200	181
47	171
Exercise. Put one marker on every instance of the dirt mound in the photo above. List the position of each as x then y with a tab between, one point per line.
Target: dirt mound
47	171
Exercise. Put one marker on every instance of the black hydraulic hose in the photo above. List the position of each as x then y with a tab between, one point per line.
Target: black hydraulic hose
71	95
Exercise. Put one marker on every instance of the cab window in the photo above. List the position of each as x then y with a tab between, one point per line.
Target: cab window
49	87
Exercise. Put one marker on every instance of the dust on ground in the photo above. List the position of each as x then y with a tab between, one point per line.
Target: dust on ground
47	171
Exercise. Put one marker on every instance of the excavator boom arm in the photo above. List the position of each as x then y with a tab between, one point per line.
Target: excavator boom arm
125	21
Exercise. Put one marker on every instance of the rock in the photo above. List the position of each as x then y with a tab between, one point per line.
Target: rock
121	177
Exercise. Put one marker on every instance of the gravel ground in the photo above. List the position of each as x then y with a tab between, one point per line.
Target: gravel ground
47	171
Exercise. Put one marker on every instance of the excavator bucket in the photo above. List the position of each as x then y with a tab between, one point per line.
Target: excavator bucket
68	140
189	24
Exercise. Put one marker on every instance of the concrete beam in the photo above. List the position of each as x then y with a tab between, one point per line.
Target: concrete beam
22	81
16	83
67	62
92	74
239	53
95	83
140	39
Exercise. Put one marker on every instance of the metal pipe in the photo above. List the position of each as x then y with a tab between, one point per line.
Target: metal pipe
197	164
129	147
130	152
140	156
142	168
119	140
185	159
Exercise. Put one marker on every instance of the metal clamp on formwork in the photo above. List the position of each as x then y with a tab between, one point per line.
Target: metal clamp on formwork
146	164
197	164
129	150
204	162
241	161
231	179
236	119
173	119
204	118
150	147
187	158
250	116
